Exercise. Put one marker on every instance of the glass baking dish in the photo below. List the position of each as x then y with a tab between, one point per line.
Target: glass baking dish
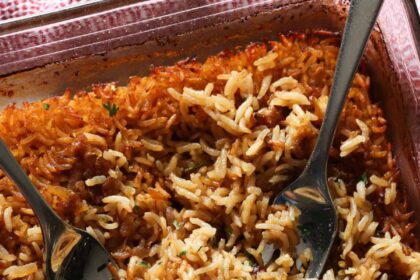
42	56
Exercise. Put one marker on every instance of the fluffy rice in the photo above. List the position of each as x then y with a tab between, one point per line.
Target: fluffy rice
174	172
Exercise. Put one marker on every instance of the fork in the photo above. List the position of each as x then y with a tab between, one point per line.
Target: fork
309	192
71	253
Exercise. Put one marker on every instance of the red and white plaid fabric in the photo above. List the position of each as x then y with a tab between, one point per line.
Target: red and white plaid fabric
18	8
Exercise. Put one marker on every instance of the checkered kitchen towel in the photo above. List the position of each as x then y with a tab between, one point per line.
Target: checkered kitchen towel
19	8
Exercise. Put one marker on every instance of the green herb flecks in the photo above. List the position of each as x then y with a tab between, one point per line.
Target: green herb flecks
364	178
182	253
192	167
111	108
252	264
176	224
46	106
201	247
136	208
144	264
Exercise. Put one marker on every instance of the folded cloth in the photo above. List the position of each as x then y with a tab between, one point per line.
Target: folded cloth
19	8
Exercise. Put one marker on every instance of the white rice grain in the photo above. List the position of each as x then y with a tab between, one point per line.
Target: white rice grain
122	202
152	145
95	139
96	180
266	62
364	128
220	166
285	83
34	234
7	218
265	84
350	145
19	271
288	99
5	255
381	182
258	144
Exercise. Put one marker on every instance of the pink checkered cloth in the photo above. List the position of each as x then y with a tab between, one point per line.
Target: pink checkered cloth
19	8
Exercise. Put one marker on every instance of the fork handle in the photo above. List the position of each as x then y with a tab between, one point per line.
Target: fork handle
360	21
46	216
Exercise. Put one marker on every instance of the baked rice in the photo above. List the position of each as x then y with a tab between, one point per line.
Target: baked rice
174	173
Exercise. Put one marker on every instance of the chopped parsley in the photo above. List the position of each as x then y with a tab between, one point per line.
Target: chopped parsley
249	262
192	166
111	108
136	208
176	224
364	178
182	253
201	247
144	264
46	106
252	264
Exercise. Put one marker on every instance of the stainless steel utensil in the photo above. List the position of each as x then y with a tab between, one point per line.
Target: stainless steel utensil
71	253
309	192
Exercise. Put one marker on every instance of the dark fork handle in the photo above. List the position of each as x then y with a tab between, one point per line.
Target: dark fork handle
361	18
43	211
360	21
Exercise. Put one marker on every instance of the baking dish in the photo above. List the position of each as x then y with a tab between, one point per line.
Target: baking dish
42	57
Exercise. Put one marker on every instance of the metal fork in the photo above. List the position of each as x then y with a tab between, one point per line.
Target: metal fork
71	253
309	192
